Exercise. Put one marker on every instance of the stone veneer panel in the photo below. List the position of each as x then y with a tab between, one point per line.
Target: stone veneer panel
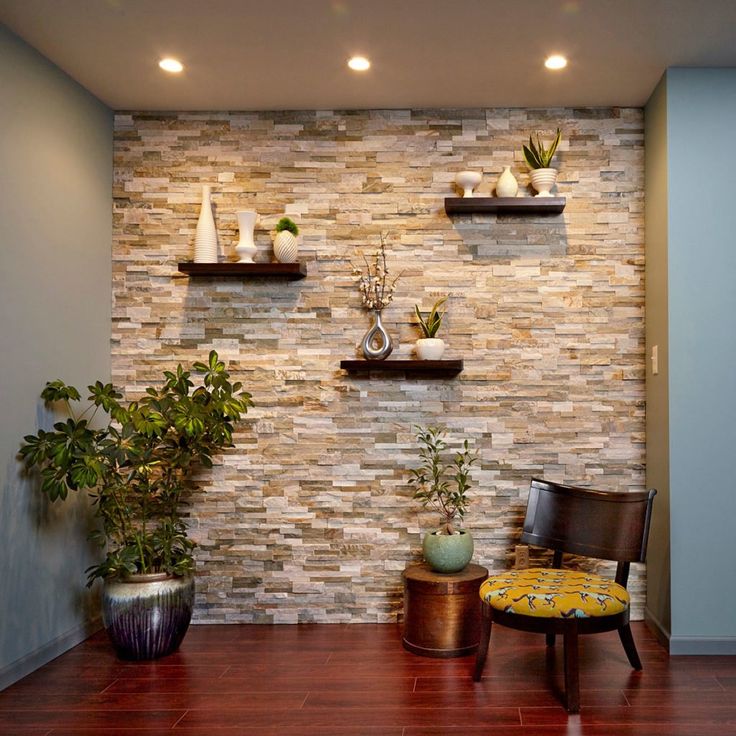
309	517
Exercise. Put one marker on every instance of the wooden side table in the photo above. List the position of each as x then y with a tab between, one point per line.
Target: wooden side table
442	611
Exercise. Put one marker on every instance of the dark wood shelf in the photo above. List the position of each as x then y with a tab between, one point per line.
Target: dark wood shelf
504	205
434	368
288	271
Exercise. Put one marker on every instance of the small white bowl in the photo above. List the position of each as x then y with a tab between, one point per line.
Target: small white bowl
467	181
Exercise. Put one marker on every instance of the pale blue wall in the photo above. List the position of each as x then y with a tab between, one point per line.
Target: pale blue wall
702	305
700	298
55	295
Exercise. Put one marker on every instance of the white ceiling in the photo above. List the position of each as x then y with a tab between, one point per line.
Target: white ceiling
291	54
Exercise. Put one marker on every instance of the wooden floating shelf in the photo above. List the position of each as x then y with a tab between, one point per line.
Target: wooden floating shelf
430	368
504	205
288	271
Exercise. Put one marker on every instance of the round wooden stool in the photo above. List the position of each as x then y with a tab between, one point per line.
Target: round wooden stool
442	611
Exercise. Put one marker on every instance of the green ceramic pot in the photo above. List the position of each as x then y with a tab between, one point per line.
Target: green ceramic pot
447	552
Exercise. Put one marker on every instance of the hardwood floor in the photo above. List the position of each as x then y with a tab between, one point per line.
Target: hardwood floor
351	680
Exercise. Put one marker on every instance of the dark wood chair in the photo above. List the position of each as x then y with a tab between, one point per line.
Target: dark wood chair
580	521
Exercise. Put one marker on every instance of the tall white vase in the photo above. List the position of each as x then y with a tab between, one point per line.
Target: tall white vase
246	247
205	238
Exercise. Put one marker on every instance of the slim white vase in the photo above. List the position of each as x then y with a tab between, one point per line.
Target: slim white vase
506	185
205	237
246	247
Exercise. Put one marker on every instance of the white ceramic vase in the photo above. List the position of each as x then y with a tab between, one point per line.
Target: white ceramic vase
506	184
467	181
205	237
246	247
430	348
543	180
285	247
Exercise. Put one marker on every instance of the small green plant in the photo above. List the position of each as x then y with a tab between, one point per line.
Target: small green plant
438	484
539	157
431	324
286	223
137	467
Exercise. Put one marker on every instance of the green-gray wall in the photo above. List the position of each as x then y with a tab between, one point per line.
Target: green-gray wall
691	303
55	274
655	216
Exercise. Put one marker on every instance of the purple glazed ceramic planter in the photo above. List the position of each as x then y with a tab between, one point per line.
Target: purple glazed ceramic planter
146	616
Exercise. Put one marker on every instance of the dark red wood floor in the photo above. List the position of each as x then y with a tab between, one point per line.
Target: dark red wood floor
350	680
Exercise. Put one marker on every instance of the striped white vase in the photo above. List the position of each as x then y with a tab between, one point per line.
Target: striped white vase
285	247
205	237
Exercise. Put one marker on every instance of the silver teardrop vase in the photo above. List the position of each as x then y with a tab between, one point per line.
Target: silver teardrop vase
376	343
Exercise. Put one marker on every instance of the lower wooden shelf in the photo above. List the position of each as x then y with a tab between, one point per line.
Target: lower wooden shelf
430	368
288	271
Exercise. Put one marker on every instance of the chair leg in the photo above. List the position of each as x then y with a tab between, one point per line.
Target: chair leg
572	673
486	622
549	639
627	640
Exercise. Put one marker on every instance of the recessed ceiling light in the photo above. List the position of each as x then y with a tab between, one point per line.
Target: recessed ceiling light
555	62
359	63
171	65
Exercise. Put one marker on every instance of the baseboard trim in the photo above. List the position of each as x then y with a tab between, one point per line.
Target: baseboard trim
702	645
25	665
657	628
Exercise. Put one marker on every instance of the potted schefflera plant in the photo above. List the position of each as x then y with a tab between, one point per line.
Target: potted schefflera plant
136	467
443	486
538	159
285	245
430	347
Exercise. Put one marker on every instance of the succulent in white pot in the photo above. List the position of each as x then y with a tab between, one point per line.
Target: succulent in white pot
539	158
430	347
285	244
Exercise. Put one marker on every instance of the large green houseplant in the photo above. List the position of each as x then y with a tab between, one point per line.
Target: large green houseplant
135	466
443	486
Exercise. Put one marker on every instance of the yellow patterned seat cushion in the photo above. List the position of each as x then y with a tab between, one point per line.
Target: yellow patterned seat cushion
552	593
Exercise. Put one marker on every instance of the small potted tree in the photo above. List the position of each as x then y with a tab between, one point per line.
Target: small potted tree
539	158
136	468
285	244
442	486
430	347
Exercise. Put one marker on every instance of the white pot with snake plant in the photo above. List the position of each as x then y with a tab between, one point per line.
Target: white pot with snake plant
430	347
538	159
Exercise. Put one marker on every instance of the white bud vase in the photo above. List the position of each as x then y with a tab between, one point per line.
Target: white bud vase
506	184
285	247
205	237
246	247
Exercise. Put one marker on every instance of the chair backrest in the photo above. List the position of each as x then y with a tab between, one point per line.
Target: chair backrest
582	521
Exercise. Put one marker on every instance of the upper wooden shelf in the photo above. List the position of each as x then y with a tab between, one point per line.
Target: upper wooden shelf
288	271
435	368
504	205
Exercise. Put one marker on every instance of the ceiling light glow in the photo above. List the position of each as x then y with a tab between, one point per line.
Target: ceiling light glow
359	63
555	62
171	65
